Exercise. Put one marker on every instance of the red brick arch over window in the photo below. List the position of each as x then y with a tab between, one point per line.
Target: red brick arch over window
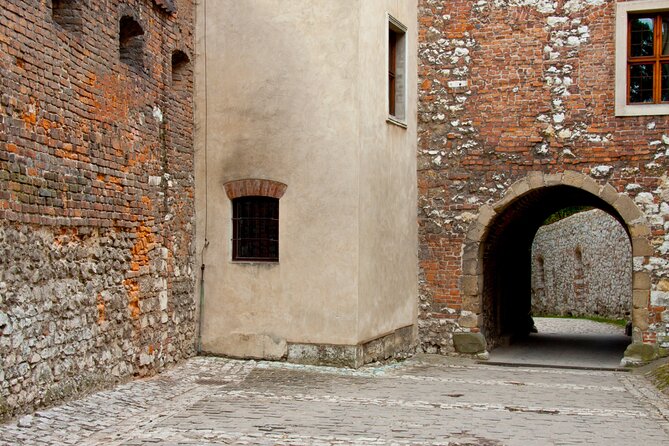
254	187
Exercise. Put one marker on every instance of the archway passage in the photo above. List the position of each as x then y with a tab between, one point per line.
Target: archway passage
506	257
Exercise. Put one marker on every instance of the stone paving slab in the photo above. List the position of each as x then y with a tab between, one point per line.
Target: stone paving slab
426	400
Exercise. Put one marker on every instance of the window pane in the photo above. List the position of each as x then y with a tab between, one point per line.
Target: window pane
665	83
665	36
641	37
641	83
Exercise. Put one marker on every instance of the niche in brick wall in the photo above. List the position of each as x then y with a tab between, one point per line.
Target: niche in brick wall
68	14
131	42
181	70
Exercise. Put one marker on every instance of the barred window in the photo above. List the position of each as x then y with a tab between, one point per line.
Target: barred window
255	234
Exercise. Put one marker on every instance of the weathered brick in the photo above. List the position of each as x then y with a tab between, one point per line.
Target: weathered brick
78	141
537	110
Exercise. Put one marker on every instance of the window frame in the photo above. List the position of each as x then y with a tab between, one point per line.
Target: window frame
265	243
657	59
624	10
396	106
253	187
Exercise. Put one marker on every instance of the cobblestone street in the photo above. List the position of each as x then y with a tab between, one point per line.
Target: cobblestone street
426	400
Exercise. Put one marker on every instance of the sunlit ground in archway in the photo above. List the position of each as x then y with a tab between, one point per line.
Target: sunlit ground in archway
578	343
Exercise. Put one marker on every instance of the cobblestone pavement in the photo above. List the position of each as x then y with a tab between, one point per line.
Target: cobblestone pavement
426	400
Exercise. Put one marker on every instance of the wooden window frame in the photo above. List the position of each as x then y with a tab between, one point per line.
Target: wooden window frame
657	59
624	9
396	59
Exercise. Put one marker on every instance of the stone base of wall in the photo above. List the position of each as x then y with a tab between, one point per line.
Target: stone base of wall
399	344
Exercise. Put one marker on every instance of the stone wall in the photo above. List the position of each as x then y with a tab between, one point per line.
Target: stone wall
582	266
509	89
96	194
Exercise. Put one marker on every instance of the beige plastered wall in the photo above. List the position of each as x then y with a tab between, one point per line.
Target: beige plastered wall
294	91
388	238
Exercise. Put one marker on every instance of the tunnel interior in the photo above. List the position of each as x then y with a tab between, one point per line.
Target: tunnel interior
507	263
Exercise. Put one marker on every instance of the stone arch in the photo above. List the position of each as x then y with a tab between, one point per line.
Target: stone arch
516	217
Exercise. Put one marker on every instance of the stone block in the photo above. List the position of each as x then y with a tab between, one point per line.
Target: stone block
470	251
639	230
608	193
590	185
486	215
640	318
640	352
519	187
471	343
553	179
659	298
469	319
398	344
504	202
471	267
470	285
572	178
535	180
663	285
627	208
471	303
640	298
252	346
641	247
475	232
641	281
326	354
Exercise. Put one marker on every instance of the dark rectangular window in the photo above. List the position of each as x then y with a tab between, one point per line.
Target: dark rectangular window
255	234
392	70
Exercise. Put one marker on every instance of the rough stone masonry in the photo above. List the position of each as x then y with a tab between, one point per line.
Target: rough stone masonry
522	91
582	266
96	194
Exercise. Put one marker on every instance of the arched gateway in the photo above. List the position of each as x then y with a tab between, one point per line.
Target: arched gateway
496	259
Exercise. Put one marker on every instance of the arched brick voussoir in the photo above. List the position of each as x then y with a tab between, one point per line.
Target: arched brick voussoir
254	187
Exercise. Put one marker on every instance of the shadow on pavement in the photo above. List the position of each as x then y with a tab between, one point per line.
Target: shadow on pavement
589	351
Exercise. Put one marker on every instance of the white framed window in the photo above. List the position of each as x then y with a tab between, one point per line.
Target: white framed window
397	71
642	58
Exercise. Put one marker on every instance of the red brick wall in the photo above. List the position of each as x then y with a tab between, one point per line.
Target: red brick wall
96	168
506	90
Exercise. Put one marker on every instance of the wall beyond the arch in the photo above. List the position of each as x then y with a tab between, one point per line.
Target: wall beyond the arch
582	266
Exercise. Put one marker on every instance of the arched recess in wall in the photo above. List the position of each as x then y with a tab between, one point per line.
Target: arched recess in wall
68	14
131	42
496	259
181	71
